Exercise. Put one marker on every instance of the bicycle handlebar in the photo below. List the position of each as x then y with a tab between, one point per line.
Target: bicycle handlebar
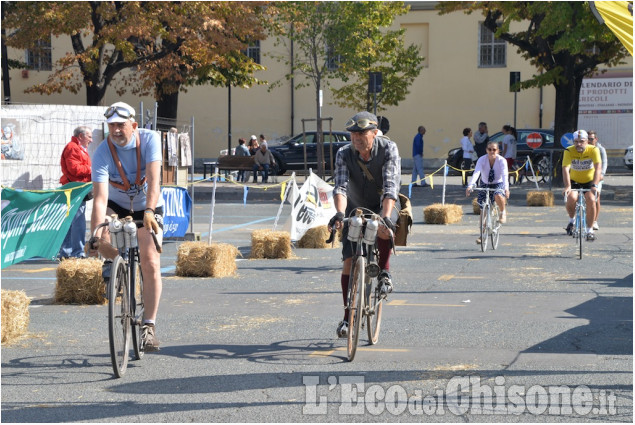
365	216
566	195
157	245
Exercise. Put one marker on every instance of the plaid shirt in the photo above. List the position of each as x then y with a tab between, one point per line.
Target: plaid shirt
391	170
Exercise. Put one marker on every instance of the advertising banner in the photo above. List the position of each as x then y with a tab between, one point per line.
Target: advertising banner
312	206
35	223
177	209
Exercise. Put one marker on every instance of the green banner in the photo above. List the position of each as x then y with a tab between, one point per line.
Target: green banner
35	222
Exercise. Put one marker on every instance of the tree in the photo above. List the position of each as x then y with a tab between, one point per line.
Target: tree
562	39
168	44
343	40
372	48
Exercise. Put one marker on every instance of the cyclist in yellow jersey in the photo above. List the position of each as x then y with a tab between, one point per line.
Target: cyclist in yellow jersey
581	169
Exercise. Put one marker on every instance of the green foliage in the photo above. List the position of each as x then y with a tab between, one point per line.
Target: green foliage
559	38
344	41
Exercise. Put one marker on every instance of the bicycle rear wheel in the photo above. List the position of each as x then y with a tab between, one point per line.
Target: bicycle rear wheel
118	316
136	302
374	304
356	305
484	216
495	231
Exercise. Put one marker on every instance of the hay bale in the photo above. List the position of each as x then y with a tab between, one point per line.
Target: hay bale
476	207
201	259
15	315
80	281
542	198
269	244
442	214
316	238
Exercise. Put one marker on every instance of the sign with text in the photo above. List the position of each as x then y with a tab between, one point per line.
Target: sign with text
312	206
177	207
35	223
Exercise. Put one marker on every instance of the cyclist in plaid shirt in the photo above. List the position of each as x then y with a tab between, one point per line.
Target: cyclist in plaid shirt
367	175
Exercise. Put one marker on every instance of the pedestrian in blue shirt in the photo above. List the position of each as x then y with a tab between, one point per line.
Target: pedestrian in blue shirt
417	158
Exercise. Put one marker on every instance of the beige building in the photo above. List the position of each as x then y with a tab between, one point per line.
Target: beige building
465	80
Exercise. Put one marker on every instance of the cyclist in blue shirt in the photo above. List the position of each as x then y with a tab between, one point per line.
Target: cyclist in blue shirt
126	172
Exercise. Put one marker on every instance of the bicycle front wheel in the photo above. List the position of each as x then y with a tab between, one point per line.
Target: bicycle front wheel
495	231
136	302
118	316
374	305
484	232
581	229
356	305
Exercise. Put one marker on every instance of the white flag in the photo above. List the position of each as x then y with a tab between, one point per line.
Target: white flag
312	205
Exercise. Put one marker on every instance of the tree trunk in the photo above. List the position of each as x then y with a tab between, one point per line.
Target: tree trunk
167	109
566	114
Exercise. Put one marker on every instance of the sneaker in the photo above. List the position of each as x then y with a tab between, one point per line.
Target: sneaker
385	282
148	340
590	237
595	226
569	229
342	329
502	217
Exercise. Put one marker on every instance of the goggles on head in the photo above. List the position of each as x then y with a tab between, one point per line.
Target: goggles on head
121	111
362	123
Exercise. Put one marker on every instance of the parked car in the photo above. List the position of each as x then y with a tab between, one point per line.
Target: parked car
539	156
289	155
628	157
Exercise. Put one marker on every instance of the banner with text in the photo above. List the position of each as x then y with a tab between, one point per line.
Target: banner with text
35	223
177	209
312	206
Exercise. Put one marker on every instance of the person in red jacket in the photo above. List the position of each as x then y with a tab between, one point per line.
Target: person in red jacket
76	168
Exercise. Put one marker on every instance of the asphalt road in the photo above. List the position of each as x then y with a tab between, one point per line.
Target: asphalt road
526	333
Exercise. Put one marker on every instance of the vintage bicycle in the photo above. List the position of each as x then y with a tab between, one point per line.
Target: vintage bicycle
489	224
579	231
364	299
124	289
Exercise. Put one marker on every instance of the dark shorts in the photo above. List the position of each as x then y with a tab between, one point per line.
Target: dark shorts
348	247
137	215
500	190
576	185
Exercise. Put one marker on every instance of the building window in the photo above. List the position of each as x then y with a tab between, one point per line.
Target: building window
39	58
253	51
492	52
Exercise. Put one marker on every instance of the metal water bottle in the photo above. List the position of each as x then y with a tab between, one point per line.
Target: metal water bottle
130	229
355	226
371	231
115	227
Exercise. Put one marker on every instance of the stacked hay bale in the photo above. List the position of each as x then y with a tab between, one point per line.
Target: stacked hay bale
15	315
270	244
200	259
80	281
541	198
476	207
316	237
442	214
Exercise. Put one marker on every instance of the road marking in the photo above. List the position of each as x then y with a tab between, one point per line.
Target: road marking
407	304
446	277
385	350
45	269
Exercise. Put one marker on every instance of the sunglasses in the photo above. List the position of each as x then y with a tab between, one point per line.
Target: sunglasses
591	138
122	112
362	123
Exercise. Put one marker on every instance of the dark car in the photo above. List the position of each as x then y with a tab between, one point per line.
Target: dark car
290	154
539	156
